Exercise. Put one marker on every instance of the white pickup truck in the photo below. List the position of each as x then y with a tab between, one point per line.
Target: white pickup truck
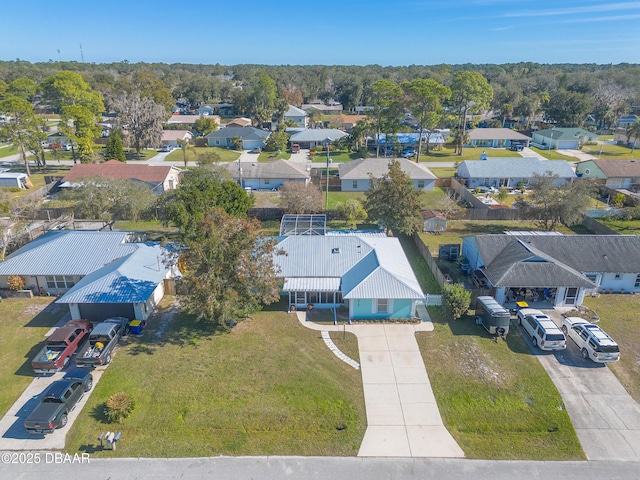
592	341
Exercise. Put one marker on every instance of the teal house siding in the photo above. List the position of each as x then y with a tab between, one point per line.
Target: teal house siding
363	309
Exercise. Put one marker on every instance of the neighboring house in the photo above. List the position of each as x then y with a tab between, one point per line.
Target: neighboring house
159	178
298	116
371	275
563	266
411	139
172	137
57	139
189	120
626	120
363	109
99	274
354	176
562	138
349	121
615	174
620	137
333	108
239	122
205	110
267	175
312	137
251	137
496	137
508	172
14	179
433	221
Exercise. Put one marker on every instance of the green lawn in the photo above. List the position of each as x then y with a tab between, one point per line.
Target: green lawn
270	387
37	176
420	268
609	151
495	398
5	151
553	155
226	155
271	156
446	154
626	227
336	197
619	318
23	325
443	172
337	156
431	199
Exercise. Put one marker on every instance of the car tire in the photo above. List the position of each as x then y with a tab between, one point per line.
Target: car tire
564	329
107	359
585	354
535	342
519	321
89	385
63	420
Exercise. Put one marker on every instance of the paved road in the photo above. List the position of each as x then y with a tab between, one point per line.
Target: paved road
317	468
606	418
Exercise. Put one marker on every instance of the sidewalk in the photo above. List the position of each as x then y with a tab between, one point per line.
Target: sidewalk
403	419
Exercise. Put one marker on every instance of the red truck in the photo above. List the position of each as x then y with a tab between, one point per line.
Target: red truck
60	346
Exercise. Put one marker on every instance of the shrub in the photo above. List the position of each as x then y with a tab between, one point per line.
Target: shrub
16	282
118	406
455	300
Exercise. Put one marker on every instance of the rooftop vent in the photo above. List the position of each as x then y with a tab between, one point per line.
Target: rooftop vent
335	250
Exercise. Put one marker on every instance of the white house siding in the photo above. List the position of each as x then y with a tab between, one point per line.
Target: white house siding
251	144
267	184
363	185
171	182
626	282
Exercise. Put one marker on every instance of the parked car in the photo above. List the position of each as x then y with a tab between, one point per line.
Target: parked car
295	148
516	147
102	341
408	152
58	399
67	147
60	346
167	148
593	342
256	150
544	333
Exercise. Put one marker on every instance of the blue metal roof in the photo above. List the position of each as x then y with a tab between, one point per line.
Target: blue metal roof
130	279
67	252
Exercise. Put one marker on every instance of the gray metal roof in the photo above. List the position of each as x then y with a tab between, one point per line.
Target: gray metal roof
311	284
360	169
278	169
583	253
67	252
515	167
295	112
130	279
317	135
496	134
371	267
245	133
566	133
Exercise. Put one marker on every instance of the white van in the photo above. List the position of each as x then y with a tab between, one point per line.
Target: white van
544	333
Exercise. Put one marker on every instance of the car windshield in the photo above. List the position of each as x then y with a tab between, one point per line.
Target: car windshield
555	337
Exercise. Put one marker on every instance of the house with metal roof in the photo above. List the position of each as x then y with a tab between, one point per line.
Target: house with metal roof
99	274
251	137
159	178
508	172
371	275
316	136
298	116
562	138
354	176
267	175
614	174
496	137
559	268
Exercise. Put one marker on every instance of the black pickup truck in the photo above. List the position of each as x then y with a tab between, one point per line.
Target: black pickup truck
57	401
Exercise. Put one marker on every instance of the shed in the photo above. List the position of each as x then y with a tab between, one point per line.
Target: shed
434	221
15	179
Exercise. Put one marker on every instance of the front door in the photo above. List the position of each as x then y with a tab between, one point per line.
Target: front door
570	296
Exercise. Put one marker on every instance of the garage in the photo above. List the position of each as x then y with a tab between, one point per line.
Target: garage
97	312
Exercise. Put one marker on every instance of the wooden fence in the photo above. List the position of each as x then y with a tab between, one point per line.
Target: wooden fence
431	262
597	227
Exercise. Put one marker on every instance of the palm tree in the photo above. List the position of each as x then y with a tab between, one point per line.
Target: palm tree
633	130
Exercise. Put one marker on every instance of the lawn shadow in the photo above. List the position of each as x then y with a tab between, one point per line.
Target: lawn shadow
26	370
50	316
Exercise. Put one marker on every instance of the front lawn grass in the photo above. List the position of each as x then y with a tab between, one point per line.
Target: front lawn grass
226	155
269	387
272	156
336	156
446	154
495	398
608	152
443	172
6	150
553	155
619	318
622	226
23	325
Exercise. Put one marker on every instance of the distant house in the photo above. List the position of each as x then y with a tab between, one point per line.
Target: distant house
57	139
508	172
363	109
333	108
238	122
626	120
354	176
298	116
205	110
159	178
434	221
98	274
411	139
615	174
562	138
349	121
251	137
312	137
496	137
267	175
370	275
172	137
565	266
189	120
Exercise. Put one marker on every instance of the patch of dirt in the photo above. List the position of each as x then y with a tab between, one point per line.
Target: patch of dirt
475	364
35	309
162	319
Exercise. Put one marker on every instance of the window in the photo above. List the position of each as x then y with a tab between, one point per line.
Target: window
300	297
593	277
267	182
355	184
421	184
60	282
637	284
383	305
587	171
618	276
313	297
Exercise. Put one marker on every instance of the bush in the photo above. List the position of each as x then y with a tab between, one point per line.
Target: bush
15	282
118	406
455	300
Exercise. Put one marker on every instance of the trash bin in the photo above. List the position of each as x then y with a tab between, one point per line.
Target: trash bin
135	327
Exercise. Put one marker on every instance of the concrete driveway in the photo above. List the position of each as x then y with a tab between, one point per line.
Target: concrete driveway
403	419
606	418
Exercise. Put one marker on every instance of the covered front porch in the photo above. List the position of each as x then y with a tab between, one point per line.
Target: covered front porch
308	293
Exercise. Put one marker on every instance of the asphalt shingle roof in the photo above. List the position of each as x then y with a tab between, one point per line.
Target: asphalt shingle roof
618	168
360	169
116	170
496	134
276	169
245	133
514	167
566	133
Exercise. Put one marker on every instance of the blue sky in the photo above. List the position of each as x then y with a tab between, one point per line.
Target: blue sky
347	32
